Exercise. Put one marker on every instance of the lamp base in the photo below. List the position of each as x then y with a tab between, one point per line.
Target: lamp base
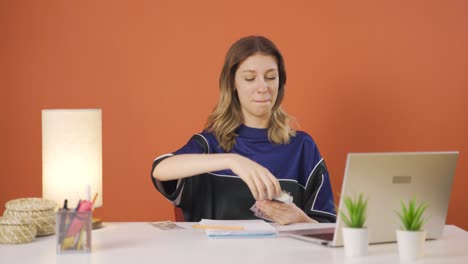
97	223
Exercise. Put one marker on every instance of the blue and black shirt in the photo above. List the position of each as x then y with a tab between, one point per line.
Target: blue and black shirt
298	166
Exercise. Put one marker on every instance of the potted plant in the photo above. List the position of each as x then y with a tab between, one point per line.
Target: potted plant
355	234
411	237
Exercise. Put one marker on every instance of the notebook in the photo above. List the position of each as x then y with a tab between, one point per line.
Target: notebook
236	228
386	179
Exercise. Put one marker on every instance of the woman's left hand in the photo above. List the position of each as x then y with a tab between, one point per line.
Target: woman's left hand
283	213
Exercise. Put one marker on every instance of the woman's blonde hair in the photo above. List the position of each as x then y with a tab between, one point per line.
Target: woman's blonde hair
227	115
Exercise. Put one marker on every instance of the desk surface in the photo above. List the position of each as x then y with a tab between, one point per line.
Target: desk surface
143	243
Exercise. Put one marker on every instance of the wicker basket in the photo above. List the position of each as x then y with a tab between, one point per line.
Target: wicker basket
15	231
40	212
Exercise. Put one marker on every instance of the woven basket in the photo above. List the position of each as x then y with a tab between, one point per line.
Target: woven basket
40	212
15	231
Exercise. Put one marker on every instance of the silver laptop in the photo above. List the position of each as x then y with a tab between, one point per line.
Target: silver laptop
386	179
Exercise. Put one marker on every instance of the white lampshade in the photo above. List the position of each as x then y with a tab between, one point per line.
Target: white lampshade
72	155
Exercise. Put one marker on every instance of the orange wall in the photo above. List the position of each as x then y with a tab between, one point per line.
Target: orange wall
363	76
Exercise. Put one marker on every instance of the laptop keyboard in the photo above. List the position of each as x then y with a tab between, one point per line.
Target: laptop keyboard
323	236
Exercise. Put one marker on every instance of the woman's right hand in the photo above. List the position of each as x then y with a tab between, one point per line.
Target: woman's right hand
259	179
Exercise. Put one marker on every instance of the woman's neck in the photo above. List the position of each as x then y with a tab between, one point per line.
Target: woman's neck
256	122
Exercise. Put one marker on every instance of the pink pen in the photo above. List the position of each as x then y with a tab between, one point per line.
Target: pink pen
79	220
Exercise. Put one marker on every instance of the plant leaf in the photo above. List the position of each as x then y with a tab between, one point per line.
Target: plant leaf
411	216
357	209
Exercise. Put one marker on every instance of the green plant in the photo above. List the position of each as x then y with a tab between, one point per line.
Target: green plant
357	211
411	216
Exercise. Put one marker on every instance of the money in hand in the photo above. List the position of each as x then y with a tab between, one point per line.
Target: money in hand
284	197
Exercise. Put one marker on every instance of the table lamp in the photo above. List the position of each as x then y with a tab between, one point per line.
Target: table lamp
72	156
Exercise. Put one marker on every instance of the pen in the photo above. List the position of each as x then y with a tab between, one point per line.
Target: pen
78	205
83	211
94	199
198	226
79	239
63	219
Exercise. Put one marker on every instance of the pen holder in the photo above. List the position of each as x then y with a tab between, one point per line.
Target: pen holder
73	231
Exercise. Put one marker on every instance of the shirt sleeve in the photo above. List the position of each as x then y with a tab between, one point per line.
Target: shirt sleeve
318	203
172	189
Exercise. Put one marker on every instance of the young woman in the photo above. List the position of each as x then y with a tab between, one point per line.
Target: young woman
247	153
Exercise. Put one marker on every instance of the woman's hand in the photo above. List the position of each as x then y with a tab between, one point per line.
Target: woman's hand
283	213
260	181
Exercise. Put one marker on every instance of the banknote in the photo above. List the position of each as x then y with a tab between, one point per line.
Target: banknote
284	197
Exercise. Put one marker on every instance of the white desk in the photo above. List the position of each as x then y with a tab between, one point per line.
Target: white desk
142	243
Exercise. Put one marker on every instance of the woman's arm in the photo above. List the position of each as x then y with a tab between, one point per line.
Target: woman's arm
260	181
187	165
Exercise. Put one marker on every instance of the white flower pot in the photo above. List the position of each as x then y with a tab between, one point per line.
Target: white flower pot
356	241
411	244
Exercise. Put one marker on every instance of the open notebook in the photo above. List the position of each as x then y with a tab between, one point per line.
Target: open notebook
236	228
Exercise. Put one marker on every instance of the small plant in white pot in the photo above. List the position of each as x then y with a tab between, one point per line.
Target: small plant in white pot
355	234
411	237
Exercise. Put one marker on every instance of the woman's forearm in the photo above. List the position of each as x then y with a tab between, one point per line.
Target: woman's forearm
186	165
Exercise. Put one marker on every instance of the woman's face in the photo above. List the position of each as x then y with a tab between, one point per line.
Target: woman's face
257	82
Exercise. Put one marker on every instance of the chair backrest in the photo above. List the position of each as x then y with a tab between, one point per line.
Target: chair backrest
179	215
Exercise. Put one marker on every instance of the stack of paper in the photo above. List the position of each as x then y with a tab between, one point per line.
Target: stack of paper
236	228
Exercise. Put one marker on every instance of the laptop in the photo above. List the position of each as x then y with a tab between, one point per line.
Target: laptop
386	179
